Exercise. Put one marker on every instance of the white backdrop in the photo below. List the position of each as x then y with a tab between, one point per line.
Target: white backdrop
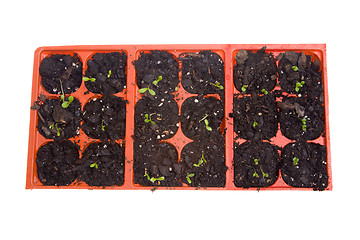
83	214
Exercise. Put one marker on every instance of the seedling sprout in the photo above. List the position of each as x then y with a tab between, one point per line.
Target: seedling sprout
85	79
143	90
255	124
188	176
264	91
303	124
152	179
244	87
65	104
299	85
256	161
109	74
295	161
94	165
264	174
148	118
103	125
206	122
218	85
58	129
155	82
295	68
201	161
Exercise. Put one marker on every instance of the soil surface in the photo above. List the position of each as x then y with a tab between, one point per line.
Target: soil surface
106	82
255	118
56	163
102	164
204	163
202	72
292	112
61	70
255	71
256	164
56	122
297	67
161	120
150	66
308	169
196	112
105	118
154	160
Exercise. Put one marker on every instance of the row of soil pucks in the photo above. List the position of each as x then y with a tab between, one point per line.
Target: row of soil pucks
157	119
283	93
102	119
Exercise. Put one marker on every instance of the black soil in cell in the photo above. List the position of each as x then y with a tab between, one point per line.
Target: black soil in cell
301	118
61	74
106	73
201	117
304	165
255	118
56	122
156	119
202	72
204	163
255	72
105	118
156	164
102	164
150	66
298	74
256	164
56	163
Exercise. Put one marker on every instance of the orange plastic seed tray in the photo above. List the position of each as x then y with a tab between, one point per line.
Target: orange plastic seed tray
226	51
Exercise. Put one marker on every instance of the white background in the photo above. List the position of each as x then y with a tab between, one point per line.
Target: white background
83	214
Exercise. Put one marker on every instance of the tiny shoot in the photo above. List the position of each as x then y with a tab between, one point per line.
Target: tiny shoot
299	85
109	74
188	176
295	68
85	79
255	174
152	179
303	124
263	173
58	129
295	161
148	118
94	165
255	124
143	90
244	87
155	82
256	161
201	161
102	125
206	123
264	92
65	104
218	85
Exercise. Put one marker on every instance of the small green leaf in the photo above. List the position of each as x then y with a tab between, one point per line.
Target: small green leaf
94	165
152	92
255	124
85	79
295	68
302	82
256	161
70	99
255	174
244	88
264	92
142	90
62	97
147	120
297	89
295	161
109	74
65	104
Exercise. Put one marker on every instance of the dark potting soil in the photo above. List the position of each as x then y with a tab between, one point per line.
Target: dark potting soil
202	72
102	164
255	118
255	71
304	165
109	72
204	163
150	66
256	164
297	67
61	72
156	164
56	163
105	118
156	119
56	122
292	112
199	112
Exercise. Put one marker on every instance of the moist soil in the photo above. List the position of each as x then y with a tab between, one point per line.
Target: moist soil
201	71
156	160
208	172
310	170
56	163
162	119
150	66
255	118
98	67
56	122
256	164
109	157
255	71
194	113
61	70
293	110
297	67
105	118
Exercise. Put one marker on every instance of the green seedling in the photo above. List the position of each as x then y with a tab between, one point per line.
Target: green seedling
103	125
255	124
152	179
243	89
264	174
201	161
299	85
188	176
85	79
109	74
58	129
256	161
176	89
155	82
295	68
295	161
218	85
303	124
65	104
94	165
206	122
255	174
264	91
143	90
148	118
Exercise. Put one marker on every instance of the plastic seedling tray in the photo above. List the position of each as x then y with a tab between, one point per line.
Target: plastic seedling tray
177	140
